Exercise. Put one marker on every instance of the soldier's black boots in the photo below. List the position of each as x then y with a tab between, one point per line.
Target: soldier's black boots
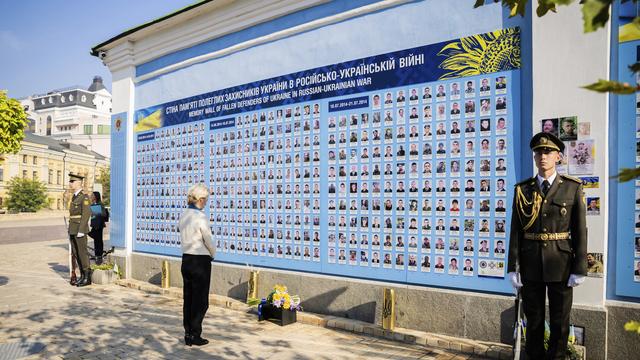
85	279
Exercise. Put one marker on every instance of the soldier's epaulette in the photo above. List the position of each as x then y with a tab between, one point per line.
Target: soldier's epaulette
571	178
526	181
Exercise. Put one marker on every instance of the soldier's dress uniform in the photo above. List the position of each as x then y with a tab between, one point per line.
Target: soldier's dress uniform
548	243
79	216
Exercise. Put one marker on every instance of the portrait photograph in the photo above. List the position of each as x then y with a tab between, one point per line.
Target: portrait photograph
568	128
595	264
469	89
485	87
584	129
593	206
425	264
501	85
549	126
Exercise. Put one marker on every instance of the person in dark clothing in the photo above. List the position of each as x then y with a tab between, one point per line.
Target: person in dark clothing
198	252
99	219
548	247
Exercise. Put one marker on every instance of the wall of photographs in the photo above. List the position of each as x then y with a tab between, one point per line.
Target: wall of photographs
404	180
627	250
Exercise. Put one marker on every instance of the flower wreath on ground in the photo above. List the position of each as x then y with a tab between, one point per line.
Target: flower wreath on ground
280	298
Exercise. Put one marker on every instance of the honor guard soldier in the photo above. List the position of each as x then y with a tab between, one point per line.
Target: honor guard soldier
548	247
79	216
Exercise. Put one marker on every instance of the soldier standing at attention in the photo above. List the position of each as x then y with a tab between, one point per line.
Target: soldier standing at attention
548	247
79	216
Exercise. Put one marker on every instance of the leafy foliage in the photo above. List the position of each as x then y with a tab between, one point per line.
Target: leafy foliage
628	174
13	120
615	87
104	178
26	195
595	13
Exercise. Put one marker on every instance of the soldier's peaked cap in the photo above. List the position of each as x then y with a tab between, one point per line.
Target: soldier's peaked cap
74	177
547	141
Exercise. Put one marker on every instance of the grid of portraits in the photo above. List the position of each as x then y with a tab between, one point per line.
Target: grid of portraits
417	181
167	164
265	182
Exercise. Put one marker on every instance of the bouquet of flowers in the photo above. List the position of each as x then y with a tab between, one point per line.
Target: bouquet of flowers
572	353
280	298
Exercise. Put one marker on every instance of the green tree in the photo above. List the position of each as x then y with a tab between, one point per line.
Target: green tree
13	120
104	178
595	15
26	195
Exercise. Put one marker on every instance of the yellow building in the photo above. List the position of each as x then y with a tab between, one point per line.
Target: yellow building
50	161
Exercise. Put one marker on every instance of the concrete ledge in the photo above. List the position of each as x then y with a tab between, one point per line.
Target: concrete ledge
460	345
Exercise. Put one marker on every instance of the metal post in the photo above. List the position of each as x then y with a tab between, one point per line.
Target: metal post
252	285
389	310
165	274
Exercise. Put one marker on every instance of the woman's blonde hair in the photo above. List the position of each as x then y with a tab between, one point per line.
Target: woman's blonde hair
197	192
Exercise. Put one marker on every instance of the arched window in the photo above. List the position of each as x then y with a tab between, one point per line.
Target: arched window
48	125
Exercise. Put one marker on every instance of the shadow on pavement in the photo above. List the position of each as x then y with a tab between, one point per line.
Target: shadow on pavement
59	268
61	246
4	280
94	322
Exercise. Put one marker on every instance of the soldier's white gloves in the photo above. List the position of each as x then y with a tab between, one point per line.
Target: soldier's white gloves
80	235
575	280
514	277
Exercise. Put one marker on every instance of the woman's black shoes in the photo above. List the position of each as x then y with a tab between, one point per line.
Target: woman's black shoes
195	340
198	341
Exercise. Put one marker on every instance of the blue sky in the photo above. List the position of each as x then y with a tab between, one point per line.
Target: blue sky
44	45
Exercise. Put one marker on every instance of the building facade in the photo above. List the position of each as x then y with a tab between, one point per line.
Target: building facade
355	146
77	115
50	161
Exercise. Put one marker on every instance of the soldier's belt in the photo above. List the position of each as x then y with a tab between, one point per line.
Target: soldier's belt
547	236
75	217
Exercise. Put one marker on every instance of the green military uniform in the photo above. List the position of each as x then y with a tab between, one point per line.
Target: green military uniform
548	243
79	216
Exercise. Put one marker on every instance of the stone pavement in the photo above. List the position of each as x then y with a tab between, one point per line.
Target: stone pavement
37	306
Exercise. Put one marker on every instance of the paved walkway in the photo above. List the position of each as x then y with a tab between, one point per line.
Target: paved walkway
21	228
38	307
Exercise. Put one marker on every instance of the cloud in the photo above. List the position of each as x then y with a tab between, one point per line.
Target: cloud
9	40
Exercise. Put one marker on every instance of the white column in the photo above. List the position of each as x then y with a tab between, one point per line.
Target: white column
564	60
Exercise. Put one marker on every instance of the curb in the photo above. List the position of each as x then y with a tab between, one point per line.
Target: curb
407	336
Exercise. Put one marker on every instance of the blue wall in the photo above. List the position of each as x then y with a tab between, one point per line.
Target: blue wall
367	35
118	179
622	150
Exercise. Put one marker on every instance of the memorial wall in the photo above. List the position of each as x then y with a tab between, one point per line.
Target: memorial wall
354	146
396	166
